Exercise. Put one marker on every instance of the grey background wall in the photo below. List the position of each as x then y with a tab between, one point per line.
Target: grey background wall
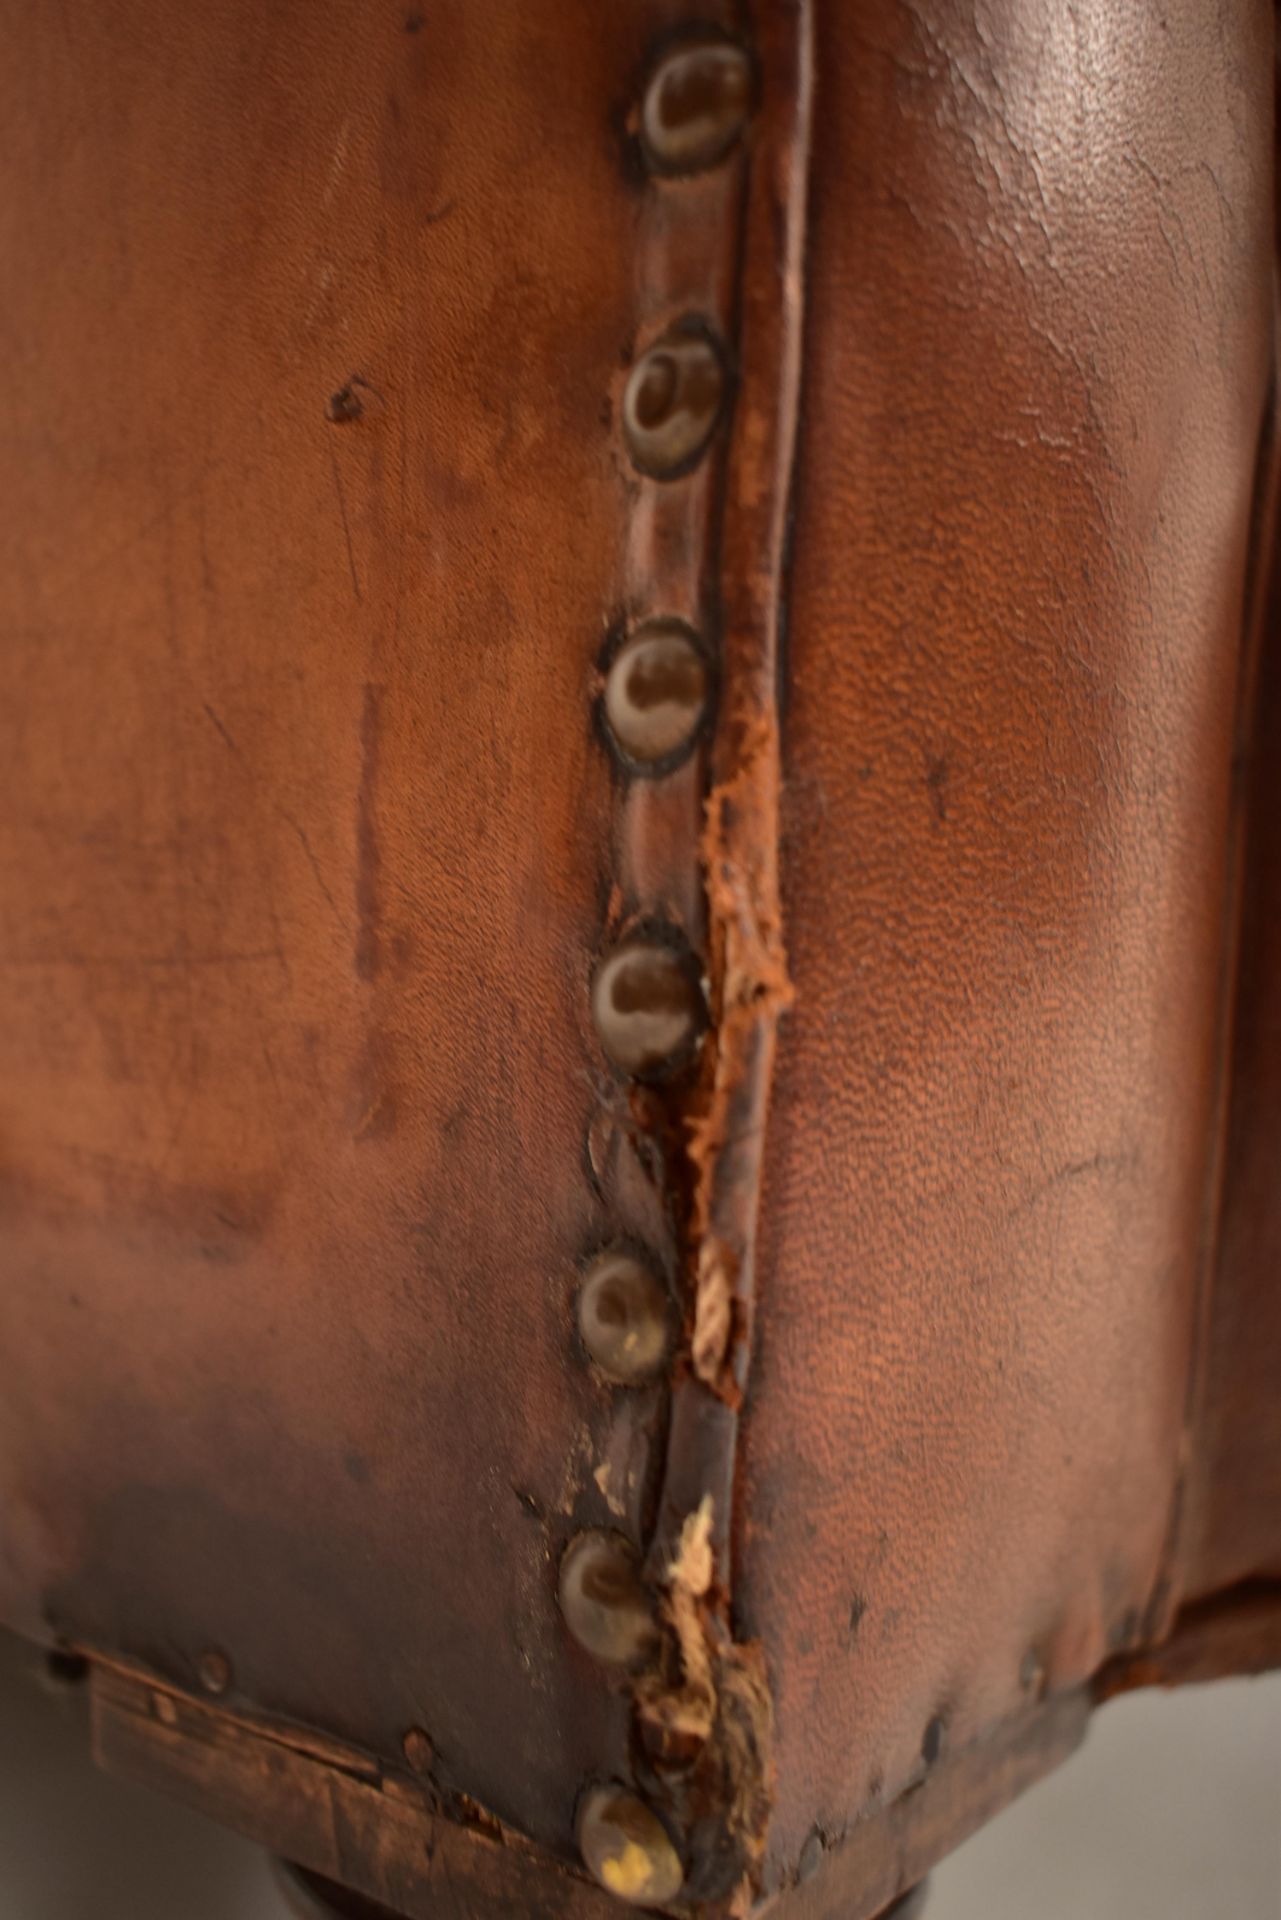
1172	1812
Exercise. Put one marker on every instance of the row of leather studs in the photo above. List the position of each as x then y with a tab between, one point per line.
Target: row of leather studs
647	998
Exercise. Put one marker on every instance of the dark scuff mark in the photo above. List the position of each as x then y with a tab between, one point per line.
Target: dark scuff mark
858	1607
344	406
937	774
355	398
219	728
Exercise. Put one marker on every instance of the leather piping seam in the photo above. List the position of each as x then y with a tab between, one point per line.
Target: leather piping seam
702	1712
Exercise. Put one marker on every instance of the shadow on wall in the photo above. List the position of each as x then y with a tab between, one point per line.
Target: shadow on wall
1173	1812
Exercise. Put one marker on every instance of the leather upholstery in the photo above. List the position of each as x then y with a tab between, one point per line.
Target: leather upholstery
306	832
319	530
1038	355
1233	1530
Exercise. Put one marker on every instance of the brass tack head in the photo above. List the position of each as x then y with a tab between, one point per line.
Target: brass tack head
672	402
624	1317
603	1599
696	104
647	1003
214	1670
627	1848
656	694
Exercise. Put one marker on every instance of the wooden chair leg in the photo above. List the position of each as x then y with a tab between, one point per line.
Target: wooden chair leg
310	1897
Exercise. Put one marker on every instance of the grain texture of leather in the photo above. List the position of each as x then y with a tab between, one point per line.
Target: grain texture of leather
320	538
313	534
1036	368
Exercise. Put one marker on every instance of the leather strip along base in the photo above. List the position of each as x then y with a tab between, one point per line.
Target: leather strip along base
344	1818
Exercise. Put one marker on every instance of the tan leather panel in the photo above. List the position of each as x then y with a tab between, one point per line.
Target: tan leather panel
1233	1522
1036	366
312	538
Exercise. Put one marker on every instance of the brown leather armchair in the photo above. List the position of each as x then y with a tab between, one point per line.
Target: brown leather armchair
640	1055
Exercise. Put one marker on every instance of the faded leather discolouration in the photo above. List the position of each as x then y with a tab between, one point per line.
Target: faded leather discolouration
319	528
306	836
324	526
1037	354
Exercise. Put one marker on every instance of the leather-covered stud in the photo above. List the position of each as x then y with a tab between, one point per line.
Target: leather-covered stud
695	105
648	1007
604	1601
624	1318
656	694
627	1849
672	403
